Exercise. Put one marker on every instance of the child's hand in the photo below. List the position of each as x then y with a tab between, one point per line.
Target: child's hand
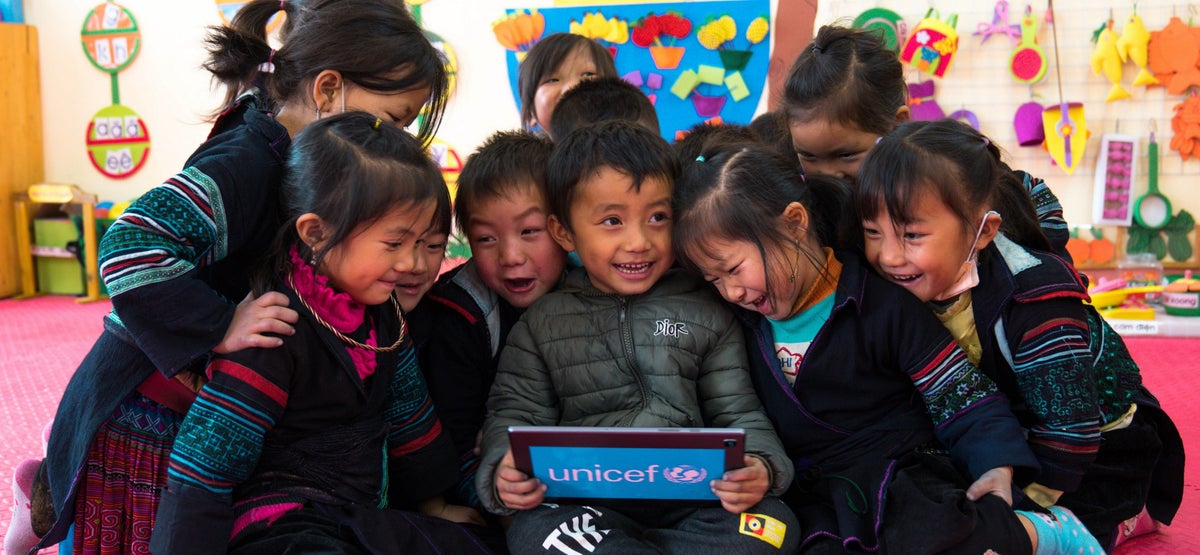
254	317
997	481
515	489
437	507
743	488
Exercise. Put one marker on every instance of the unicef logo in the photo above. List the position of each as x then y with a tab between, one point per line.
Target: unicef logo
685	474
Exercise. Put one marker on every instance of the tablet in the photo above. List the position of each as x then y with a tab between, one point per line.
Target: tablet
586	464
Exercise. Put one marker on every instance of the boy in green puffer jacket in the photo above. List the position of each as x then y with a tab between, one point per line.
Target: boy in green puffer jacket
629	340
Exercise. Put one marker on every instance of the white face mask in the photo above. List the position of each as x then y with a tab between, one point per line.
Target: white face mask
968	273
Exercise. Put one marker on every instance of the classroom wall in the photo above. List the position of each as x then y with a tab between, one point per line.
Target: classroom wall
167	87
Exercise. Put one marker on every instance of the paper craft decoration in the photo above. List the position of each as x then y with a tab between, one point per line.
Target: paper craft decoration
932	45
966	116
1028	124
1132	45
1066	134
1113	187
890	26
611	31
921	103
649	31
111	37
1106	61
1028	62
1186	125
117	141
680	98
999	25
517	32
719	34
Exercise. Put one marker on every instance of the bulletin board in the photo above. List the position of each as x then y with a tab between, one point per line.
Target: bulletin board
704	85
980	81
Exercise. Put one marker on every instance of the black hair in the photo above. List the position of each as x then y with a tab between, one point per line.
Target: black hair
705	134
849	76
739	191
547	55
375	44
602	99
772	129
622	146
507	161
957	163
351	170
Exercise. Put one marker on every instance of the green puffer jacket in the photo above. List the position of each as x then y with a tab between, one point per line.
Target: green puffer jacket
671	357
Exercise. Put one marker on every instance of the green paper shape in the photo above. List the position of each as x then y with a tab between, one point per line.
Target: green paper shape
712	75
737	86
684	84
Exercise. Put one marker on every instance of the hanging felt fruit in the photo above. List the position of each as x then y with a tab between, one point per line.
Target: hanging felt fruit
932	44
1132	45
1028	62
1106	61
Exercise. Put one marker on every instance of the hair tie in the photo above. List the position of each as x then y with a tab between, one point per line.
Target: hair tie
281	6
269	65
816	48
375	125
700	158
986	142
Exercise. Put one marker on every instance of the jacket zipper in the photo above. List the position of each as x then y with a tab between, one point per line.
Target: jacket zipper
627	345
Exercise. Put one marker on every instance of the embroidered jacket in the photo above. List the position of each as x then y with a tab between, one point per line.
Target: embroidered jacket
880	379
275	429
670	357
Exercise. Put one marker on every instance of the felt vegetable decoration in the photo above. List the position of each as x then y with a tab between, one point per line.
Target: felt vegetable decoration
1178	48
1106	61
932	44
1077	247
1186	125
1132	45
1028	62
1101	250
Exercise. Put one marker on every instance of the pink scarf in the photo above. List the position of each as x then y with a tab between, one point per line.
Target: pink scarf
334	307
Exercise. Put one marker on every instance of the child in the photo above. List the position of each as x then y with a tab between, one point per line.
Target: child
845	91
176	263
554	65
772	128
591	354
933	195
602	99
501	209
852	373
303	427
689	146
420	278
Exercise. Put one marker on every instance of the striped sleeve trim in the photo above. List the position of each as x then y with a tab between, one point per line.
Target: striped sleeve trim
171	229
950	384
221	439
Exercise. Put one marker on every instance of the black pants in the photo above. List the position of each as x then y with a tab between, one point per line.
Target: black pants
768	527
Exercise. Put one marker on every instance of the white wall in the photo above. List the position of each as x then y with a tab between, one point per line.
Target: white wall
173	95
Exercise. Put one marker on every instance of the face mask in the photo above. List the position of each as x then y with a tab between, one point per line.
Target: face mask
968	273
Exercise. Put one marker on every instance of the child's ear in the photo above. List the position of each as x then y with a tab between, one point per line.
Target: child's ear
903	114
311	229
560	233
325	89
991	226
795	217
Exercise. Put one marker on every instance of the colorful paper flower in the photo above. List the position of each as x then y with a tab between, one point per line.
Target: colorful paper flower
519	31
595	26
649	30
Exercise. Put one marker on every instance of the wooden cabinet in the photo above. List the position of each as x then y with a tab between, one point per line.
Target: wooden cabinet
21	159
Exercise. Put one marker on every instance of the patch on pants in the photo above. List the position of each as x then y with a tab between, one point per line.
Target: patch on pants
764	528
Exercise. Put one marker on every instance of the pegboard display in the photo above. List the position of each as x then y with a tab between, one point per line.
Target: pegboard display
979	80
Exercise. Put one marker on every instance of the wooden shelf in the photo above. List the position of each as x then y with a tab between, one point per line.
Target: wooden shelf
21	159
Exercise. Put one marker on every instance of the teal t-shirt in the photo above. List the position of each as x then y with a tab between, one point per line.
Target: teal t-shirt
794	335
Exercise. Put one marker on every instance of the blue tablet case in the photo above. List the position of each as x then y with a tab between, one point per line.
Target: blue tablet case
585	464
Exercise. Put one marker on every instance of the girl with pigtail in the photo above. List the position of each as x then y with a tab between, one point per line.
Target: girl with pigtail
176	263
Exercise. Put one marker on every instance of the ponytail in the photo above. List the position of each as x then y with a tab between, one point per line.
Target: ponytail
237	52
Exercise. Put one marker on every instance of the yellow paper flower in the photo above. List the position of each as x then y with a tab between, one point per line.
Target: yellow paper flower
618	31
757	30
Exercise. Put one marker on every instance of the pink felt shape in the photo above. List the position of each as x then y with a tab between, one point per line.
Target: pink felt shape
654	81
1028	124
633	78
